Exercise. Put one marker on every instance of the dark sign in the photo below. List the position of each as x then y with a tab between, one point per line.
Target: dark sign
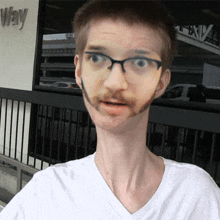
14	17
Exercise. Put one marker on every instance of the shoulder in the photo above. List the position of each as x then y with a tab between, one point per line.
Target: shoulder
69	169
192	190
55	187
187	169
191	176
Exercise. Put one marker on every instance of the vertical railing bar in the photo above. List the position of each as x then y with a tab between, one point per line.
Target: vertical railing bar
171	143
178	145
19	179
51	135
10	132
63	128
183	144
28	147
16	131
195	146
216	171
11	122
82	139
69	136
22	138
58	131
60	136
153	128
83	132
163	139
88	148
39	124
212	153
151	133
76	136
6	112
44	137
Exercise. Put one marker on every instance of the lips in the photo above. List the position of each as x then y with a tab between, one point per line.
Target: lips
113	107
114	103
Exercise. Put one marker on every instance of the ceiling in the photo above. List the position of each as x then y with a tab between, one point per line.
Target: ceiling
195	13
183	12
59	15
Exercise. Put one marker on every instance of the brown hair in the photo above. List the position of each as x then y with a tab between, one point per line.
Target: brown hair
132	12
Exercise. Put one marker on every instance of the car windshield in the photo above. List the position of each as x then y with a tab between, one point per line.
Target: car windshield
173	93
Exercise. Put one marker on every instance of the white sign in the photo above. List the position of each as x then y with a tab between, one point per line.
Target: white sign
14	17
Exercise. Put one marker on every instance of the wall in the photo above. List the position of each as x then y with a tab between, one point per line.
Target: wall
18	27
17	46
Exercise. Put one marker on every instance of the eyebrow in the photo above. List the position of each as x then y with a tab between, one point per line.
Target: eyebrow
142	52
96	47
102	48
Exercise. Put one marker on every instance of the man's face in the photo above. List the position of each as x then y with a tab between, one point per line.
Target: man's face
113	96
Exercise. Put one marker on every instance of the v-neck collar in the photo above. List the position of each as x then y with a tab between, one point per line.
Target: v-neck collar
115	202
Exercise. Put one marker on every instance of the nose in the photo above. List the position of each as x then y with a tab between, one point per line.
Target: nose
116	79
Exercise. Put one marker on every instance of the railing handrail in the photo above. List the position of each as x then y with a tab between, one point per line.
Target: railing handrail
18	164
200	116
68	98
197	106
20	167
71	101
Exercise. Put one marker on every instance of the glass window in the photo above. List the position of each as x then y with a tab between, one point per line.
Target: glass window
173	93
212	93
191	91
56	44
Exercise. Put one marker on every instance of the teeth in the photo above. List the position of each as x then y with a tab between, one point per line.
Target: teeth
110	103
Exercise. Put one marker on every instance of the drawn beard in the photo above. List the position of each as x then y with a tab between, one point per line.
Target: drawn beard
94	101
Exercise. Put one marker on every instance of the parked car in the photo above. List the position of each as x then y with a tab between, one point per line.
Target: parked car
65	85
183	92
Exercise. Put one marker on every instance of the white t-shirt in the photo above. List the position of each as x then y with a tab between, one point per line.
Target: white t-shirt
77	190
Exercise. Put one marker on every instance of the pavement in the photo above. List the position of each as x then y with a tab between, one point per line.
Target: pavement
2	205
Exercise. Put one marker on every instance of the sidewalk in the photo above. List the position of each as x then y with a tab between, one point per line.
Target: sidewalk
2	205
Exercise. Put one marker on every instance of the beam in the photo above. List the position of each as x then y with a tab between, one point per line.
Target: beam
195	42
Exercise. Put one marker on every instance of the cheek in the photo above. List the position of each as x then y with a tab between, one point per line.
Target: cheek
145	94
145	90
92	84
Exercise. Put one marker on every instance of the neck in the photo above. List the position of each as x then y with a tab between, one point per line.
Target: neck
123	158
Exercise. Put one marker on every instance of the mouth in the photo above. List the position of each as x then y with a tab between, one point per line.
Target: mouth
114	108
114	103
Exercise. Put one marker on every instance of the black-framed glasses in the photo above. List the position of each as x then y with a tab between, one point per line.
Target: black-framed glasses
137	65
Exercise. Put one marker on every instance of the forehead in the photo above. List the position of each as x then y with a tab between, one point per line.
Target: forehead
120	36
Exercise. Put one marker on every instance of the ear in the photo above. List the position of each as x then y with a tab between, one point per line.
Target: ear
78	74
163	83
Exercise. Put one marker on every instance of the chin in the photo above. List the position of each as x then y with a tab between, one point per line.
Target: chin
128	120
106	121
116	123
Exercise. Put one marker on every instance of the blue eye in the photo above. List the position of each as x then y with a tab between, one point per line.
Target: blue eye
140	63
96	58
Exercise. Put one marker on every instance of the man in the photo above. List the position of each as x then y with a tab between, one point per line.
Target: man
124	50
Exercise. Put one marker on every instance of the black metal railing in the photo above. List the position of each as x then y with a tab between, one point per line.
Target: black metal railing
60	129
61	134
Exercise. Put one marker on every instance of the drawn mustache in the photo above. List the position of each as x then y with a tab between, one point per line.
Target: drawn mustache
117	96
107	95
